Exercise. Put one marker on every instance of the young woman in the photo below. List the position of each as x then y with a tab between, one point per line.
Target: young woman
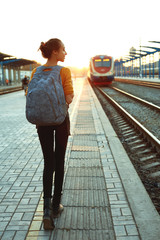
53	139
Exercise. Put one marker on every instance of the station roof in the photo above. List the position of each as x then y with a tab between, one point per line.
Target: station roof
141	52
12	61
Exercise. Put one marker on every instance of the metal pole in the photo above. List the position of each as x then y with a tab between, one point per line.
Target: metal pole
140	61
145	67
115	67
159	65
3	81
153	65
142	67
149	67
118	69
122	68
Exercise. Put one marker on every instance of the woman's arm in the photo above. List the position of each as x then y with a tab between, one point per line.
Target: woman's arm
67	84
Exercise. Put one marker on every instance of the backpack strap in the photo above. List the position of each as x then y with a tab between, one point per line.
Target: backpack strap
42	68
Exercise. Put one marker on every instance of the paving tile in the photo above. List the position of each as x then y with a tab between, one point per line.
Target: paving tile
20	235
84	154
81	234
4	219
120	230
126	211
86	137
131	230
128	238
85	183
17	216
36	225
27	216
113	197
92	198
78	162
83	218
8	235
84	172
17	228
40	233
2	208
19	223
3	225
123	220
116	212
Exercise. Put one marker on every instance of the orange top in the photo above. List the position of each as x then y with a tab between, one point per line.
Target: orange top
66	80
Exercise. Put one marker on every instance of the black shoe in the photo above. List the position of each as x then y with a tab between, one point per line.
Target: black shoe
48	223
57	212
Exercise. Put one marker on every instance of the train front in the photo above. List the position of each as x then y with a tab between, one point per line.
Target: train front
102	69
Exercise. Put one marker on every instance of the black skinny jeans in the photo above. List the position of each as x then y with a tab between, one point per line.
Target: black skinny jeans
54	153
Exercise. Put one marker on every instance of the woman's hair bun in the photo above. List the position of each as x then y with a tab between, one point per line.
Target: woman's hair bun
48	47
42	45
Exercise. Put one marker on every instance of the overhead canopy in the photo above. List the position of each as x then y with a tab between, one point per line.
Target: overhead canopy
135	54
8	60
3	56
155	48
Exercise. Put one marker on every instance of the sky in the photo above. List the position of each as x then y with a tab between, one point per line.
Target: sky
86	27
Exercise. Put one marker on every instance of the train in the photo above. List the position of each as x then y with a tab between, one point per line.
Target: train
101	70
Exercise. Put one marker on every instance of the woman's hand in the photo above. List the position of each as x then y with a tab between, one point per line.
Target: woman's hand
69	98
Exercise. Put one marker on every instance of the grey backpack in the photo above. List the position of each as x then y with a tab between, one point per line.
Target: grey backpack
45	100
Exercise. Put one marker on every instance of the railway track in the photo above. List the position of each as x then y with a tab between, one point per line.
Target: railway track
137	82
142	146
10	90
149	104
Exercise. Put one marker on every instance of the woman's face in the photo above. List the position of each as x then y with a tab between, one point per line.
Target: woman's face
61	53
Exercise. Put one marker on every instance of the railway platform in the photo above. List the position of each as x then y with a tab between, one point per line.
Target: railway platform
103	197
147	79
5	87
10	88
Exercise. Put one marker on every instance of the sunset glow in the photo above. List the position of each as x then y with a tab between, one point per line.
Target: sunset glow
87	28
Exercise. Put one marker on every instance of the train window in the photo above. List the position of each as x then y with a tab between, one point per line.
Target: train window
106	62
102	62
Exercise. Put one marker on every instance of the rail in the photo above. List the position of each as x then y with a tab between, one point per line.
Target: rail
138	82
137	99
146	134
10	90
